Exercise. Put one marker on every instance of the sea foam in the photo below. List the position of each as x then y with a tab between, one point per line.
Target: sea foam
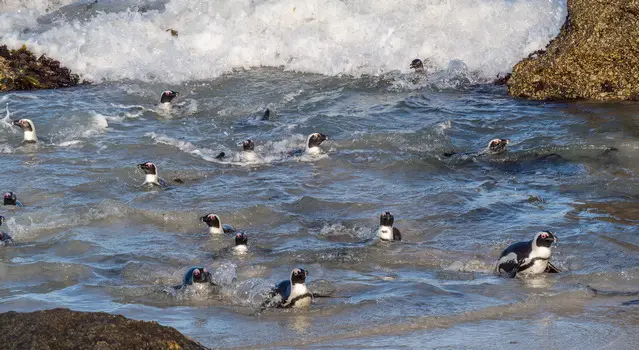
330	37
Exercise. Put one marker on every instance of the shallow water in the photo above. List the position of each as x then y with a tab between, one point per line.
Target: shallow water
90	238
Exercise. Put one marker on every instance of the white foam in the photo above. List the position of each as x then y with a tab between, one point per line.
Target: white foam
330	37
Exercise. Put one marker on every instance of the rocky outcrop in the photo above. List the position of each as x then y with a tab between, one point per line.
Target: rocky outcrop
66	329
21	70
595	56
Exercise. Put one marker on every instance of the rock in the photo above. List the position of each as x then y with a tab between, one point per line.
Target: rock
20	70
67	329
595	56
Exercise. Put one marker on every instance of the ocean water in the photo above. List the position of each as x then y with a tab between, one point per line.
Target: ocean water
90	238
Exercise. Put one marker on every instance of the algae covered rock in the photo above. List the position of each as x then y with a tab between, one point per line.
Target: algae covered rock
67	329
595	56
21	70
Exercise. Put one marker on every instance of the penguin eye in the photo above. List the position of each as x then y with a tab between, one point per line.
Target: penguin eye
544	235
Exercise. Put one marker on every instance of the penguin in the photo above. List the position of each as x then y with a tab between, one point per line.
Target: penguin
417	65
266	116
29	130
248	151
168	96
215	224
495	146
313	141
386	231
528	258
196	275
241	243
151	175
5	238
293	292
10	198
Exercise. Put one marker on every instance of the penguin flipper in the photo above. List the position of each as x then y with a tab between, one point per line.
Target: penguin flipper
449	154
397	236
551	268
220	156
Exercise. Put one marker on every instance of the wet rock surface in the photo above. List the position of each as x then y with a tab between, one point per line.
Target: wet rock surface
21	70
67	329
595	56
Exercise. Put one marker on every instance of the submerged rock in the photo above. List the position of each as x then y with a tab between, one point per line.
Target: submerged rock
21	70
595	56
67	329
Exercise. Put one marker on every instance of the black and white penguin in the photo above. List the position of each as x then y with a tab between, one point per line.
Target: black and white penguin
168	96
248	151
10	198
215	224
417	65
293	292
29	130
497	146
313	141
151	175
5	238
386	231
528	258
241	243
196	275
267	115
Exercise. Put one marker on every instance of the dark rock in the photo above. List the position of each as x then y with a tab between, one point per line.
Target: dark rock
20	70
595	56
67	329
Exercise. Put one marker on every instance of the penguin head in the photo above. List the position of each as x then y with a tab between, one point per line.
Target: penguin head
315	139
25	124
248	145
417	65
10	198
201	275
1	220
167	96
386	219
298	276
545	239
497	145
148	168
241	239
211	220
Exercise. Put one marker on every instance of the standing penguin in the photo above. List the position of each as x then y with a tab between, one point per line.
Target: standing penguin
293	292
5	239
215	224
528	258
29	130
151	175
386	231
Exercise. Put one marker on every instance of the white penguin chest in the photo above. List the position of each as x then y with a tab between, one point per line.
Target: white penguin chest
313	151
296	291
240	249
151	178
385	233
30	136
249	156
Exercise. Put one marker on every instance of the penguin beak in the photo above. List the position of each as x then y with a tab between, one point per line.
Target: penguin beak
16	123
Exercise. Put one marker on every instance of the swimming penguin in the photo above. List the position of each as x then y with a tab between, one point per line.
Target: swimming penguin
528	258
10	198
215	224
196	275
313	141
168	96
4	237
495	146
293	292
248	151
29	130
266	115
151	175
241	243
417	65
386	231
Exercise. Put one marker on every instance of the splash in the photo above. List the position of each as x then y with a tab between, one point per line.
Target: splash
330	37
